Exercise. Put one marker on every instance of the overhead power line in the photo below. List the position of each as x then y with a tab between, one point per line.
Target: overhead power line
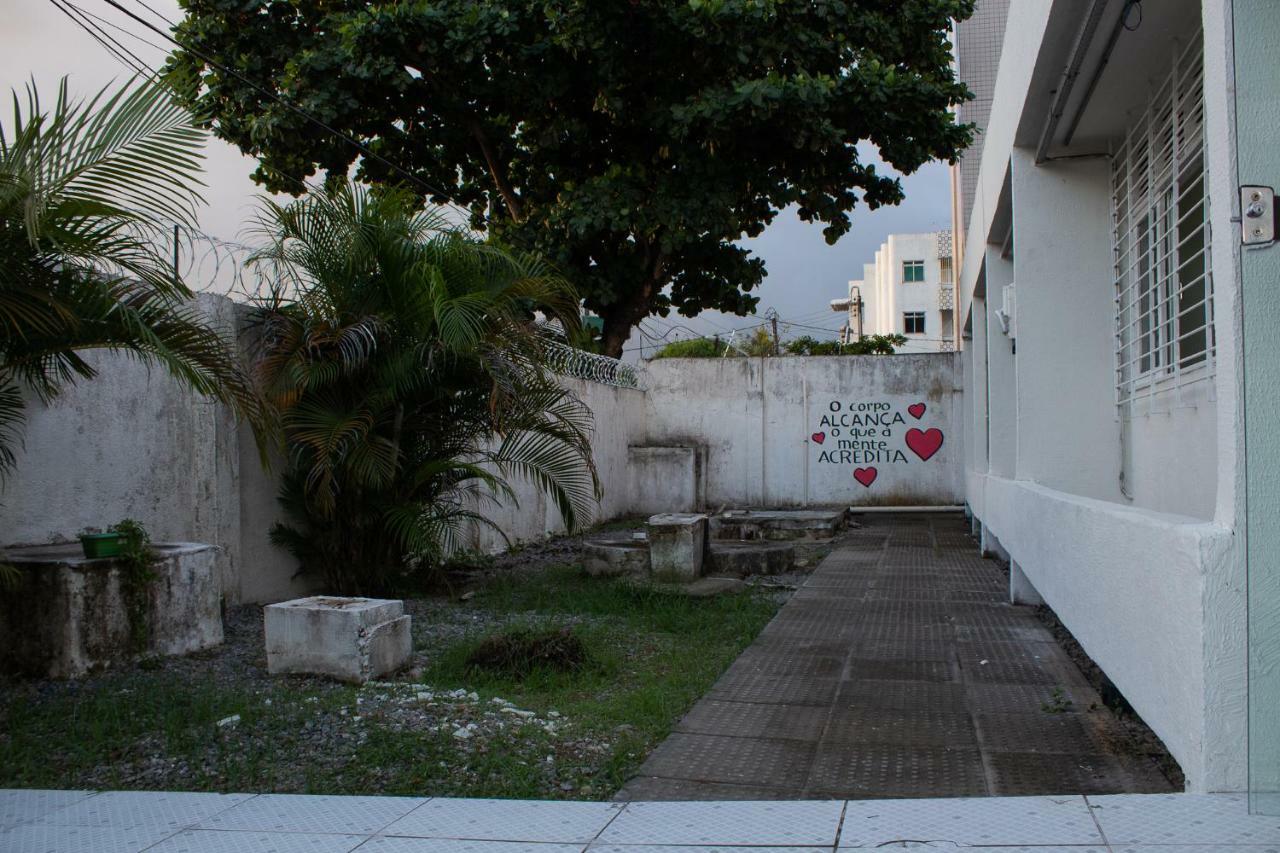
359	146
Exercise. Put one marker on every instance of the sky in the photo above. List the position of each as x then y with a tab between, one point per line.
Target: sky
37	41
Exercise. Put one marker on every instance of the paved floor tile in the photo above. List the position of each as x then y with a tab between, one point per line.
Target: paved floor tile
666	848
738	719
1182	819
303	813
782	764
931	684
160	809
506	820
778	824
861	771
978	821
51	838
23	806
225	841
443	845
659	789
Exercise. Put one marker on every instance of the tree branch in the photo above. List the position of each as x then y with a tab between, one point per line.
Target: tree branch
514	207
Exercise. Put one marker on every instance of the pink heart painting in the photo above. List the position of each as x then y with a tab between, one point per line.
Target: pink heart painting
865	476
916	410
924	444
819	437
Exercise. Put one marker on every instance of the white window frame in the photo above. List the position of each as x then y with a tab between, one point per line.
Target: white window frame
921	315
1164	336
914	264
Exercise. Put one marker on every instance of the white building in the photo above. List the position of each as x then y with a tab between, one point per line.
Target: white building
908	290
1107	453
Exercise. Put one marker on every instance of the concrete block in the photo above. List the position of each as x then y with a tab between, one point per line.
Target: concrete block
666	478
350	639
70	617
677	543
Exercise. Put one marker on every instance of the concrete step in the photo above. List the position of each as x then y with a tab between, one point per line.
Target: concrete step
615	554
740	559
777	525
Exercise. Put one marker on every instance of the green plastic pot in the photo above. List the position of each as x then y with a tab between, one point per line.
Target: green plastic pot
99	545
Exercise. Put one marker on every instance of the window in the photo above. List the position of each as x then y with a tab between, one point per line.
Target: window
1160	214
913	323
912	271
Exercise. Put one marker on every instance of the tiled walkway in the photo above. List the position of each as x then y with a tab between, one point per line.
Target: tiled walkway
898	670
132	822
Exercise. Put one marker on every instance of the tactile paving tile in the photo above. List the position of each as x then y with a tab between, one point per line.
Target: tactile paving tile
780	764
971	651
914	728
739	719
899	695
978	596
23	806
435	845
222	841
1010	672
892	770
756	824
997	615
1021	773
882	669
1183	819
176	810
305	813
781	663
1021	632
906	593
991	698
558	822
1069	734
978	821
777	690
658	789
41	837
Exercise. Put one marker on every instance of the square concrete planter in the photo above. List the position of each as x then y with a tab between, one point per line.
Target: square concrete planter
677	542
350	639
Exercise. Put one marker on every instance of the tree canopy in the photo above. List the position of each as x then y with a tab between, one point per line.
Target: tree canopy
631	144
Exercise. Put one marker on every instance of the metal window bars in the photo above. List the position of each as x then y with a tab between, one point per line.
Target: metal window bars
1164	336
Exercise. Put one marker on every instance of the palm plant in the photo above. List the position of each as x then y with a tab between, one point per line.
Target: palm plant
83	188
408	377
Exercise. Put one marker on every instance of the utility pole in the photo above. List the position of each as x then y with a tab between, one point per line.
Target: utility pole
773	320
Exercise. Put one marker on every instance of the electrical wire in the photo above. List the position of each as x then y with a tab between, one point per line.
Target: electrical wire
362	148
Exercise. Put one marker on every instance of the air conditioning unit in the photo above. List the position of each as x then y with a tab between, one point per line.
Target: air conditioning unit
1007	313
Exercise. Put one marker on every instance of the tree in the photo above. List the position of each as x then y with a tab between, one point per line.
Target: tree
407	372
631	144
82	188
865	345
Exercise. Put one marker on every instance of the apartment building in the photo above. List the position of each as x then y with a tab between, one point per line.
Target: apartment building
907	290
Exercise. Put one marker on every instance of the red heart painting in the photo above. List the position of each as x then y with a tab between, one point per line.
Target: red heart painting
865	476
924	444
819	437
917	410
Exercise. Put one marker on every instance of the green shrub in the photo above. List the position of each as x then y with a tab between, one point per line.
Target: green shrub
695	348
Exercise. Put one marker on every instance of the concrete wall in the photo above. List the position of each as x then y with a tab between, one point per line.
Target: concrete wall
619	423
794	431
132	443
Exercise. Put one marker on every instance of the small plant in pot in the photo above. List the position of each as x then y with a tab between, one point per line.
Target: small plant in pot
97	544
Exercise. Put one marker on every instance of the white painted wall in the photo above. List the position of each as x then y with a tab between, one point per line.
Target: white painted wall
759	417
1151	582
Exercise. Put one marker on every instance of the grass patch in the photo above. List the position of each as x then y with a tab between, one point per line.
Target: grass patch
591	674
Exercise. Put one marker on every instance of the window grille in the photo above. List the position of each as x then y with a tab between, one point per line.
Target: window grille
1160	241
